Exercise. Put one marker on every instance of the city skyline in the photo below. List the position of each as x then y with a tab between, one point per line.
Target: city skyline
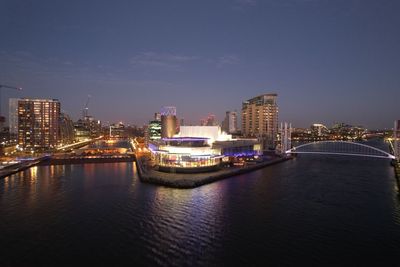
328	62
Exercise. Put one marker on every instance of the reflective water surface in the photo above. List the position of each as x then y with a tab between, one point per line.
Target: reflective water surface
319	210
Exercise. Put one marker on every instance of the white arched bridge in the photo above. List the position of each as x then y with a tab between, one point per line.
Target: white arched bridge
344	148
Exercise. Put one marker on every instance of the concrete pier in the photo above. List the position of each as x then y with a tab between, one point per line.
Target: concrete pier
181	180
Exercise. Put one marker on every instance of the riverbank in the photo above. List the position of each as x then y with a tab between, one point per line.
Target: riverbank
396	166
185	181
15	168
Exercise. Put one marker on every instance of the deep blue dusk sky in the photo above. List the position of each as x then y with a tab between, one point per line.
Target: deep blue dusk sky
328	60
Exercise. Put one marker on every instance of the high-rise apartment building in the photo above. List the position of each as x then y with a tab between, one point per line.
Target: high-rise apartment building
38	123
229	125
260	119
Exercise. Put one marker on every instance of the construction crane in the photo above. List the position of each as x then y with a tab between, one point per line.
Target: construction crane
2	118
85	112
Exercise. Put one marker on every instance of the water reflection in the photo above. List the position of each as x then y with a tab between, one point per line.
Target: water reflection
316	208
33	173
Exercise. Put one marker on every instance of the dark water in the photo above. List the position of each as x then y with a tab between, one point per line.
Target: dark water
311	210
104	144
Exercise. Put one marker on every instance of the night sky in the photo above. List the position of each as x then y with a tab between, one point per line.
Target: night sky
328	60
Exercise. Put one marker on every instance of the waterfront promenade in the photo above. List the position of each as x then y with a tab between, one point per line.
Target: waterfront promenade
21	166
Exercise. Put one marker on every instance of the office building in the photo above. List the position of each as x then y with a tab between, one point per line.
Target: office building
260	119
153	129
117	131
81	130
38	123
229	125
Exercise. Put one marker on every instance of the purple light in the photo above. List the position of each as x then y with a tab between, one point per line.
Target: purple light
186	139
249	154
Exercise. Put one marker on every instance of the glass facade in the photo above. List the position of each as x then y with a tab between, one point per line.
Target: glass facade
186	161
154	130
182	153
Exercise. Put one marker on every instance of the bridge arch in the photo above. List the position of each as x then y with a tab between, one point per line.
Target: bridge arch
346	148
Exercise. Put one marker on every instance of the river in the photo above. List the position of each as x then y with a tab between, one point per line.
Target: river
314	210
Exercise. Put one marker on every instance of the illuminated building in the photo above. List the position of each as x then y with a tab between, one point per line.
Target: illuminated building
318	129
200	148
117	130
168	122
213	133
38	123
229	125
260	119
87	128
188	154
153	131
82	131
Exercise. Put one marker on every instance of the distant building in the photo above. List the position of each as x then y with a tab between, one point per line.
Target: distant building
260	119
168	122
209	121
157	116
13	116
117	130
38	123
154	129
67	133
396	137
318	129
87	128
229	125
81	130
94	126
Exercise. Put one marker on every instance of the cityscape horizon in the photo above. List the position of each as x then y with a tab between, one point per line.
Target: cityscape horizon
326	69
219	117
199	133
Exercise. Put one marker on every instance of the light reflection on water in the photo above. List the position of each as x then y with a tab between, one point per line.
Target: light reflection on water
318	209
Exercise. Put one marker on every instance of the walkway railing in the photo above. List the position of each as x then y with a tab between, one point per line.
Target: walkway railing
345	148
